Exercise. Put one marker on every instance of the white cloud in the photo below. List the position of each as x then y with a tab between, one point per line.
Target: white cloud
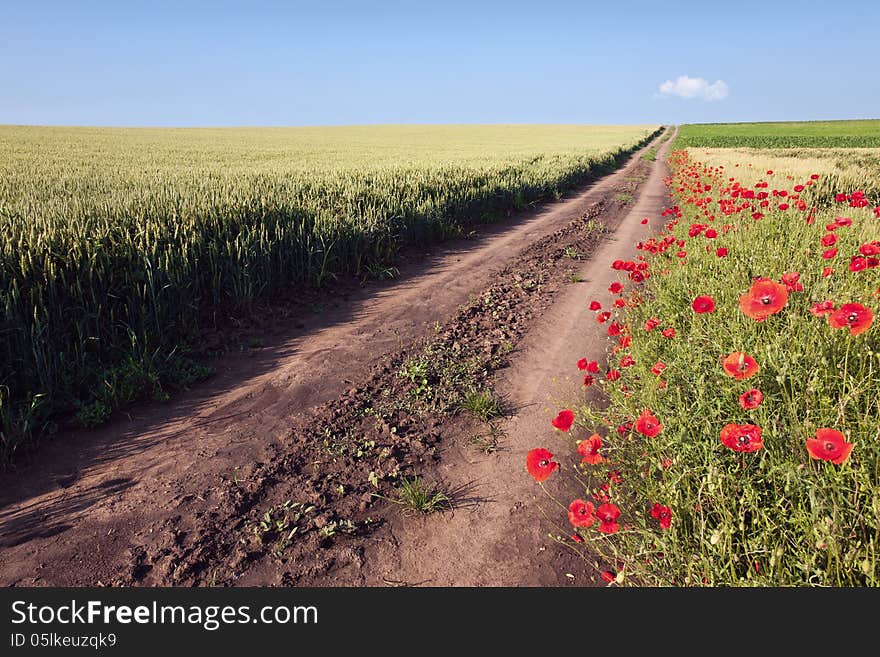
687	87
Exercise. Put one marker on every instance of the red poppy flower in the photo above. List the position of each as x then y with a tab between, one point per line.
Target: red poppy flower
663	514
829	240
614	329
870	249
612	375
827	271
540	464
740	366
588	380
830	253
608	576
564	420
608	515
659	368
580	513
625	341
829	445
763	299
648	425
792	283
721	251
751	399
703	304
577	538
627	361
651	323
858	263
853	315
589	449
603	317
588	365
822	308
615	287
843	221
668	333
620	302
644	221
595	305
742	437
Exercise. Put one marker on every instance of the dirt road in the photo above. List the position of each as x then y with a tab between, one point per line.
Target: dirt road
160	486
503	540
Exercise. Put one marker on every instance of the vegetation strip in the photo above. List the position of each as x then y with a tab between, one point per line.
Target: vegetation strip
785	134
740	441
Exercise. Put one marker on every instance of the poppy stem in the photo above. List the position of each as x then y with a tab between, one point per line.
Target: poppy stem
577	475
564	508
571	547
559	527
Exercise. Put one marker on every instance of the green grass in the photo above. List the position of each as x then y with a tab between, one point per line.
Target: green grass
804	134
120	247
482	404
418	496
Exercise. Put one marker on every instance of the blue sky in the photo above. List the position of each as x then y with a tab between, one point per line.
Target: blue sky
340	62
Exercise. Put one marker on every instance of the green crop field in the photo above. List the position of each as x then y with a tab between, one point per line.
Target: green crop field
806	134
120	245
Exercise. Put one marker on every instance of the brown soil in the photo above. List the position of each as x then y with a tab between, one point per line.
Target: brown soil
278	470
